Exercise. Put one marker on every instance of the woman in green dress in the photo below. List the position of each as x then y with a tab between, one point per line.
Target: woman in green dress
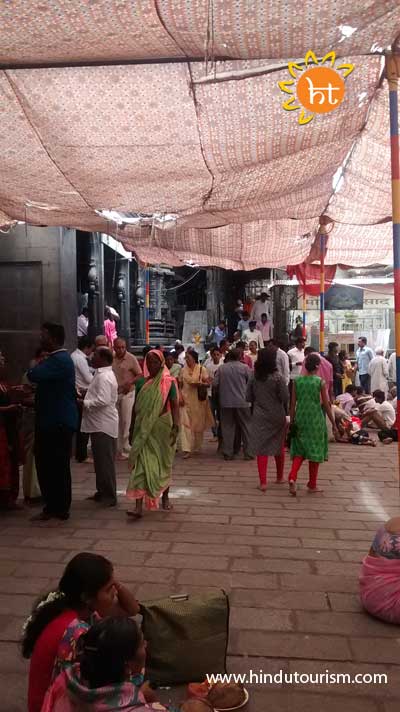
309	437
155	425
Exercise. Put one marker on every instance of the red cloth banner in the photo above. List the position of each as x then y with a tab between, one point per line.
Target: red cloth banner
308	277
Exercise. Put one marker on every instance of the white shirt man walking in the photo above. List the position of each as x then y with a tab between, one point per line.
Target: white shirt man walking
296	355
83	379
100	420
378	372
260	307
252	334
392	369
127	371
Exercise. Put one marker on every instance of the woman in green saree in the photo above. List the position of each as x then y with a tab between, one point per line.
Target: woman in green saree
155	424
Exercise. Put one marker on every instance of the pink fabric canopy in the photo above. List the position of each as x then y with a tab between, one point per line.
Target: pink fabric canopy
246	183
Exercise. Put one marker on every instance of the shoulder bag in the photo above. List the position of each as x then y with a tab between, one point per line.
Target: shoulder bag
187	637
202	389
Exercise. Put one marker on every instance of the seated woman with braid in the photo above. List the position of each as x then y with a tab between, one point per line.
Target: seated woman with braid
86	592
380	574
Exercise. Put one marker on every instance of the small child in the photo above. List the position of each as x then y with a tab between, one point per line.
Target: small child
252	351
352	432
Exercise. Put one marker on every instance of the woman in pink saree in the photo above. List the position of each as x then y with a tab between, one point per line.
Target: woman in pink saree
380	574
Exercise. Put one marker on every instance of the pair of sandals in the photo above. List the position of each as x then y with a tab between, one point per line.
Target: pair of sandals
132	514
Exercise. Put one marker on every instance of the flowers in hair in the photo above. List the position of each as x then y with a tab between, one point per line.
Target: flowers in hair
52	596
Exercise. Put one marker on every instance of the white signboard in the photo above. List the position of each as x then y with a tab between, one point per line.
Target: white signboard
195	326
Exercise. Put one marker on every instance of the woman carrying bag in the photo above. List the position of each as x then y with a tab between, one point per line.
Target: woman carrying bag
196	416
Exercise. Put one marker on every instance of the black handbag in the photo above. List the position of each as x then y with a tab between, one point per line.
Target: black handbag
202	389
291	433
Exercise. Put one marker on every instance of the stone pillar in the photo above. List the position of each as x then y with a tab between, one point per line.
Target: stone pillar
215	296
284	299
123	298
96	286
140	332
68	302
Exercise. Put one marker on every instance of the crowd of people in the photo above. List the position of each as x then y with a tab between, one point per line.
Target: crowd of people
252	395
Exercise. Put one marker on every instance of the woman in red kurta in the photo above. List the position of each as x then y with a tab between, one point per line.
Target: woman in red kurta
86	587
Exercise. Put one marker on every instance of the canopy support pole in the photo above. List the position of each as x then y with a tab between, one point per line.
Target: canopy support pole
147	305
393	74
304	306
322	238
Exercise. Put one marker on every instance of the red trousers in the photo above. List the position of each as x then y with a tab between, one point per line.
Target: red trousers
312	469
262	464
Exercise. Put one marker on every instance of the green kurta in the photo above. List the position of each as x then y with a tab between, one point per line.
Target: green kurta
310	439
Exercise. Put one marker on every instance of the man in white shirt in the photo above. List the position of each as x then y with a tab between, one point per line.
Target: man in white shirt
244	323
382	414
296	355
83	322
127	371
83	379
100	420
212	365
264	326
378	372
260	307
252	334
83	374
392	369
180	353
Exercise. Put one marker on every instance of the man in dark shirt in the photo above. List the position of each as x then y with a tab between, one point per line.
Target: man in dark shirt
230	382
56	421
333	358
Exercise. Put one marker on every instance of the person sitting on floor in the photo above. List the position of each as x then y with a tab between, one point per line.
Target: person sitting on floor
350	430
381	415
109	674
87	587
390	435
363	400
346	400
380	574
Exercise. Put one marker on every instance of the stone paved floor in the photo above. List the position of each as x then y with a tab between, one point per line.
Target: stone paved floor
290	566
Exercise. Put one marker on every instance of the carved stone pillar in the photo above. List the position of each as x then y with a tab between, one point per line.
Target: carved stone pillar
140	293
96	286
123	298
215	296
284	300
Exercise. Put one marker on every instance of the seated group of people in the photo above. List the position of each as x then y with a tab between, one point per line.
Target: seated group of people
86	651
356	410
